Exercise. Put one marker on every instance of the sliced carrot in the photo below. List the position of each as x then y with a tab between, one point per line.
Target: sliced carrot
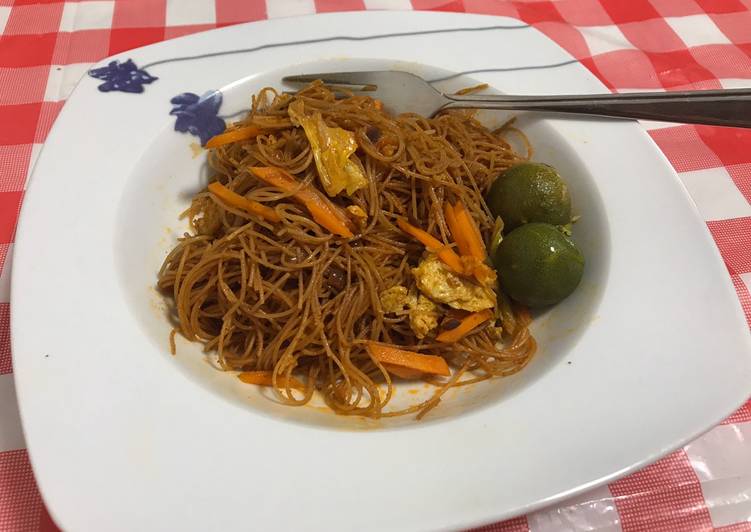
234	135
264	378
470	232
234	199
444	252
484	273
323	211
378	104
404	373
408	359
467	325
469	241
457	233
481	271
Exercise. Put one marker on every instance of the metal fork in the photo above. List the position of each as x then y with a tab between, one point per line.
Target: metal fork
403	92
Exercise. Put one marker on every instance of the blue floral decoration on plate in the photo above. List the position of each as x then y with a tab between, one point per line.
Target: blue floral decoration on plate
123	77
197	115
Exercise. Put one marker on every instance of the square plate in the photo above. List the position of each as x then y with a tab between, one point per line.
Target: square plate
123	436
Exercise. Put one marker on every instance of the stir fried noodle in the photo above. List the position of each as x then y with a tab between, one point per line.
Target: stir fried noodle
293	263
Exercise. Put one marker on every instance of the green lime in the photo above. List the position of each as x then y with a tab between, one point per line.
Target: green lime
530	192
538	265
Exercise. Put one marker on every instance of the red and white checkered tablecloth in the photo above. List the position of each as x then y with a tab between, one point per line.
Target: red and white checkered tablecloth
46	46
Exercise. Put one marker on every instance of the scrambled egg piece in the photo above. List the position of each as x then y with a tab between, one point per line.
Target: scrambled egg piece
423	313
436	281
333	150
423	316
360	216
357	211
205	216
396	299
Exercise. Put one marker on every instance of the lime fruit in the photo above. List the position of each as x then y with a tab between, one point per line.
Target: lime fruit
530	192
538	265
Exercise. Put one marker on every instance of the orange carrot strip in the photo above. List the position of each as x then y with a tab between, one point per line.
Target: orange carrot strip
378	104
408	359
323	211
236	200
404	373
469	241
264	378
456	231
445	253
467	325
241	133
476	267
470	232
484	273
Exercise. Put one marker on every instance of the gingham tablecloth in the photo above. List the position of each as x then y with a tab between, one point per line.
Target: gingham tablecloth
45	47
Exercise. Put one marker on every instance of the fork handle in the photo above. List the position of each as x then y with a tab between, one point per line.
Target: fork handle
730	107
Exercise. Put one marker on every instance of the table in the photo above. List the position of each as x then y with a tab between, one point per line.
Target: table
45	47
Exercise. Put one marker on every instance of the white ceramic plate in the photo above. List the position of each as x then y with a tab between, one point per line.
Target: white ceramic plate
649	352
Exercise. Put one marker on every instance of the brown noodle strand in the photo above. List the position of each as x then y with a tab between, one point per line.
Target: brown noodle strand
293	299
172	345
